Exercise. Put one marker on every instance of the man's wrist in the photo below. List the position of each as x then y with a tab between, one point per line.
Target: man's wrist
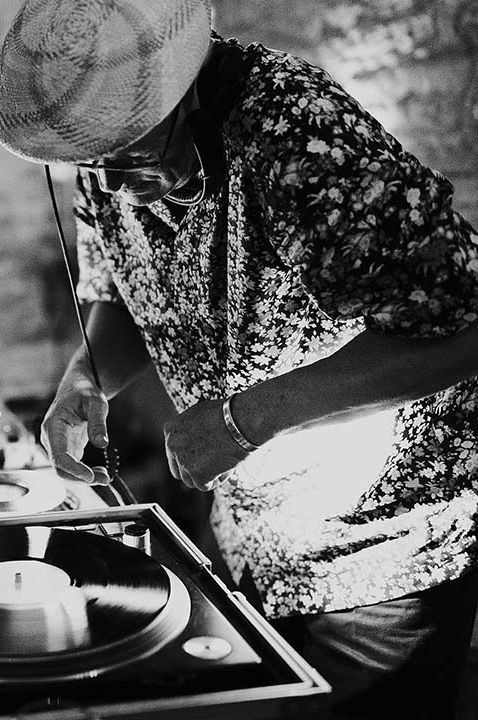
264	411
234	430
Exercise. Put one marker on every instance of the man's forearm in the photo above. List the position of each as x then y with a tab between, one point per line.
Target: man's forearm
117	346
371	373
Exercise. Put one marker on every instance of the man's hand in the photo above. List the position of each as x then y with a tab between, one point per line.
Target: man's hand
77	414
199	448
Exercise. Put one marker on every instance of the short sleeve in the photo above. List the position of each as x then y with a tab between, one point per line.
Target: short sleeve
95	281
369	230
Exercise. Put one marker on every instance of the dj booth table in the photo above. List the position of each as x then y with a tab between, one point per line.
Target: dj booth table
112	612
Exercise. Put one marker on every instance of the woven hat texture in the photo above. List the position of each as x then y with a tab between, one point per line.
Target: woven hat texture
81	78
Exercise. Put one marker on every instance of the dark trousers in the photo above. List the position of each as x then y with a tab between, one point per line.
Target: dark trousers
398	660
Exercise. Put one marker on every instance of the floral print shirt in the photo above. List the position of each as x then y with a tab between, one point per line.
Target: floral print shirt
323	226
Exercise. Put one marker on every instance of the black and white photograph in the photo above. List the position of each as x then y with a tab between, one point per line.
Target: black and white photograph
238	359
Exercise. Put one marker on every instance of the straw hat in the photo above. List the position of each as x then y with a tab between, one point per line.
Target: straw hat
81	78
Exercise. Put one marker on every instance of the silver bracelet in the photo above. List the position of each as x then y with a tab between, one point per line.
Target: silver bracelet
233	429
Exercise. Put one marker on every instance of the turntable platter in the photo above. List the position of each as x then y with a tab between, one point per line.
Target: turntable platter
30	491
76	604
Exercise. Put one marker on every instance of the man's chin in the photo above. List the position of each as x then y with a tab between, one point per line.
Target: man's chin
143	197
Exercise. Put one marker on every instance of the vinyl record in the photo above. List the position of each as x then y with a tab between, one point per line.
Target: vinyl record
75	604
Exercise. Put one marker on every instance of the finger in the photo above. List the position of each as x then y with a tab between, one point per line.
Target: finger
173	464
215	482
64	449
68	468
67	476
45	438
207	487
101	476
96	410
186	478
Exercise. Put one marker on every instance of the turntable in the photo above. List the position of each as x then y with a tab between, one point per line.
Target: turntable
115	613
32	490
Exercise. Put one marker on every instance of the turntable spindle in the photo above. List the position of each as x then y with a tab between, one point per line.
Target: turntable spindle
18	580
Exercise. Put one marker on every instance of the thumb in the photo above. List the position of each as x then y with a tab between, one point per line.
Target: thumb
96	413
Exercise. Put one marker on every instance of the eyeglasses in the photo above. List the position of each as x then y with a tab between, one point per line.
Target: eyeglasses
95	166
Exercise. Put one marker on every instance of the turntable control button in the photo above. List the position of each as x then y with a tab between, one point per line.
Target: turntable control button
207	647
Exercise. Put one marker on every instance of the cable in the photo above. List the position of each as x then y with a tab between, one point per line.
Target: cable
66	258
111	454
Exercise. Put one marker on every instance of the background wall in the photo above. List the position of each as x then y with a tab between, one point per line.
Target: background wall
36	332
412	63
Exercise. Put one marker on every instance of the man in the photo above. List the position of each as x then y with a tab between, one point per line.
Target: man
293	273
